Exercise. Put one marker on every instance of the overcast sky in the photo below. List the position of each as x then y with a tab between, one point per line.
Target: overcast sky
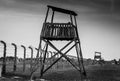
98	25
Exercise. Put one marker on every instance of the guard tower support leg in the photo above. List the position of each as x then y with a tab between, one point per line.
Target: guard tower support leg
43	61
79	48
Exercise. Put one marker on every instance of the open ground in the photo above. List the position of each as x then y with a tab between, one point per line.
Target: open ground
94	73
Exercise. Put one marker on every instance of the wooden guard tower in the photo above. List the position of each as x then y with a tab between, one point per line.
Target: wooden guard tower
97	58
61	32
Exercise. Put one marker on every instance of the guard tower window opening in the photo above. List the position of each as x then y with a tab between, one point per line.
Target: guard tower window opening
59	18
53	16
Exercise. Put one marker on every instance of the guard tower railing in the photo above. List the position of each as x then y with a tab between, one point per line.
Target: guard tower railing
60	31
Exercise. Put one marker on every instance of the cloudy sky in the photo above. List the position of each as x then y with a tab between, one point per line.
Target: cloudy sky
98	24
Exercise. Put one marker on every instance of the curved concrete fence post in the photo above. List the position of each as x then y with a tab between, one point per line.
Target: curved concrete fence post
24	58
37	51
47	55
31	60
51	54
15	57
4	58
54	54
37	57
50	57
56	57
41	53
47	58
57	62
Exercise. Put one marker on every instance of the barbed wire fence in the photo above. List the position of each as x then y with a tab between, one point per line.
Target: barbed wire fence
22	59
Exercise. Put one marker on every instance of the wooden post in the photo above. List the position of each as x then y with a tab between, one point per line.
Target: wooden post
75	21
52	33
46	15
43	61
71	19
24	60
52	17
4	58
79	49
15	56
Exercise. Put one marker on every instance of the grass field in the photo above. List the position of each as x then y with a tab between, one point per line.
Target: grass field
94	73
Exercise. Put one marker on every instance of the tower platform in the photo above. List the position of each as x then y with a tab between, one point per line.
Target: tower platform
58	31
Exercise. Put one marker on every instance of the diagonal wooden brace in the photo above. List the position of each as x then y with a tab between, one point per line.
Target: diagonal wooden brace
43	62
63	55
59	59
62	49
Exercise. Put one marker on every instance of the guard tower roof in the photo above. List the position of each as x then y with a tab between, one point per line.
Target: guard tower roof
62	10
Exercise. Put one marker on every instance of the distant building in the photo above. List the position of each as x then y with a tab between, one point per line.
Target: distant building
114	62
